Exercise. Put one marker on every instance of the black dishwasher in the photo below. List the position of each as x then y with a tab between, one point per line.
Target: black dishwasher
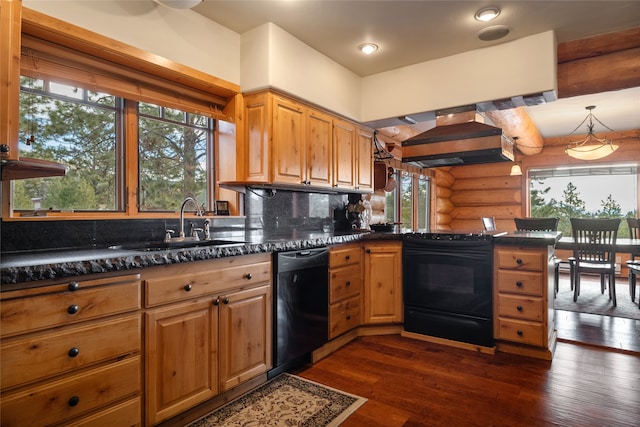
301	310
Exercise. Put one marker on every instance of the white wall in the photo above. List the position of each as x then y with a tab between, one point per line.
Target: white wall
520	67
271	57
179	35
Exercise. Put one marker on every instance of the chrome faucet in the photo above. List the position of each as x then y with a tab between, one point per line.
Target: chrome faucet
184	204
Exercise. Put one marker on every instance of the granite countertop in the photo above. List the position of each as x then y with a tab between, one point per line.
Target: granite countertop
529	238
17	268
55	264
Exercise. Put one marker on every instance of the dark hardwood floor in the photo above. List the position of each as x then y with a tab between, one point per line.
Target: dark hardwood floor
619	333
413	383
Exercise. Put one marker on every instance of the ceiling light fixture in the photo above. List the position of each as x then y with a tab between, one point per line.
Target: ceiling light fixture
515	168
368	48
487	13
591	147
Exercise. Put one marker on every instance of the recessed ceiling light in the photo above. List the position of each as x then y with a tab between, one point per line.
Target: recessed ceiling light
368	48
487	13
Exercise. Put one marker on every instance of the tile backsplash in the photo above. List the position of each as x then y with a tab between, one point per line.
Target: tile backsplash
269	212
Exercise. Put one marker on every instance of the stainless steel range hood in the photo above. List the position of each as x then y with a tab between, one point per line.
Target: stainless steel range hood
459	138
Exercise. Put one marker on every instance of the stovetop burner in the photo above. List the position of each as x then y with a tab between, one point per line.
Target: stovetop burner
454	236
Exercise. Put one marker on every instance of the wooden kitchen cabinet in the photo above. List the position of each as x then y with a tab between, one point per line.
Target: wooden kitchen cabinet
71	353
294	144
523	314
364	160
208	329
382	282
345	288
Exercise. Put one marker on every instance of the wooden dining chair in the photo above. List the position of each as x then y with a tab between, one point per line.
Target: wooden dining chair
633	264
543	224
489	223
594	251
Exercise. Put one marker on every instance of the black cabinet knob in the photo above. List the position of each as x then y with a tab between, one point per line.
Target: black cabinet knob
348	282
520	333
248	276
519	308
519	284
225	300
518	261
188	287
73	401
73	352
348	317
216	301
348	257
73	286
73	309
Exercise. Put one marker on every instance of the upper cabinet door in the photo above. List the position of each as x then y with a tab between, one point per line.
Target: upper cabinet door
289	157
364	160
344	136
10	23
319	149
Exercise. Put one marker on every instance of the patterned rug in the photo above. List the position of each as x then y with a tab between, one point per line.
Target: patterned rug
592	301
286	401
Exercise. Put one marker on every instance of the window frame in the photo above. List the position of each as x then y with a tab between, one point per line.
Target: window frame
156	79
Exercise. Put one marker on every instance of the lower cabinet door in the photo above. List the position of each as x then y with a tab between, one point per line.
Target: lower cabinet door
73	396
245	335
182	357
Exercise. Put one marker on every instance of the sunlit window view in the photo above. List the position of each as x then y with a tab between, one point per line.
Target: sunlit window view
78	128
173	160
585	192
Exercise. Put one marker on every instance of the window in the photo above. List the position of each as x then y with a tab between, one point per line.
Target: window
134	141
78	128
173	161
605	191
408	203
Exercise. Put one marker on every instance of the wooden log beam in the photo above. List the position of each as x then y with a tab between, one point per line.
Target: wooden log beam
598	45
515	122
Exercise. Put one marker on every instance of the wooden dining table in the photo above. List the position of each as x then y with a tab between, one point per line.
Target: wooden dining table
623	245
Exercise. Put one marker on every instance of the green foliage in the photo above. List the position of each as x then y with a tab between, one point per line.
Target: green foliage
572	206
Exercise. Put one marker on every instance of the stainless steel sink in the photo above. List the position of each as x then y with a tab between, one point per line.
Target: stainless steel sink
163	246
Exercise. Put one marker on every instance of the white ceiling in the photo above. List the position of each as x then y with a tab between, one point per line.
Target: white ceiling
410	32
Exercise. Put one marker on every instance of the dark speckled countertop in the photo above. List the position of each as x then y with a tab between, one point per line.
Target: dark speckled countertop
55	264
32	266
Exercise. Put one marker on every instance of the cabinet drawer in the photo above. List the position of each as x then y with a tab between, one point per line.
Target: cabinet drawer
34	312
126	414
177	284
73	396
521	259
520	282
344	282
520	307
344	316
342	256
521	331
41	355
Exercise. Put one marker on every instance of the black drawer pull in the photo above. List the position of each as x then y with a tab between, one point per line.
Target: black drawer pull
73	286
519	284
73	309
520	333
518	261
188	287
73	352
348	283
248	276
74	401
348	257
519	308
225	300
216	301
348	317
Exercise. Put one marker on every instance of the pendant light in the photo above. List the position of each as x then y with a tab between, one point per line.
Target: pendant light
591	147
